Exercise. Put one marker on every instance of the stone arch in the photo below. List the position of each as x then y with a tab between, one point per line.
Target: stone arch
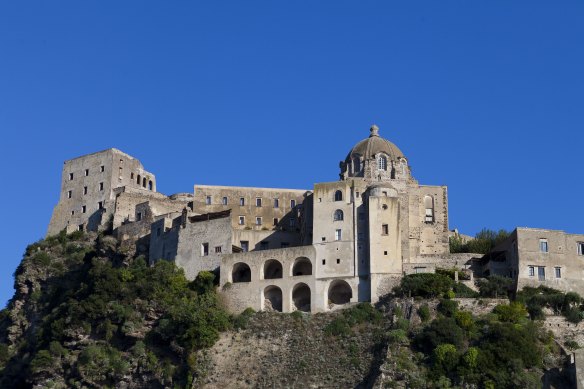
338	215
302	267
272	298
338	195
339	292
241	273
272	269
301	297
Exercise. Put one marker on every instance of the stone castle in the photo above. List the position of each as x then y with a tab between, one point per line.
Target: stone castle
349	240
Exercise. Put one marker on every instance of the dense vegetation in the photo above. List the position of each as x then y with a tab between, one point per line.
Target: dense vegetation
103	315
482	243
503	349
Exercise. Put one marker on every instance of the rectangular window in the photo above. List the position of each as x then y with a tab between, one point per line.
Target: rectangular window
208	200
324	261
72	213
258	202
100	205
384	229
205	249
558	272
132	175
70	176
357	194
139	216
69	194
258	221
241	220
86	172
84	209
217	249
580	248
531	271
323	239
276	203
292	222
541	273
292	203
80	227
224	201
84	190
284	245
101	186
275	221
102	168
338	260
320	199
543	245
244	246
338	234
264	245
242	201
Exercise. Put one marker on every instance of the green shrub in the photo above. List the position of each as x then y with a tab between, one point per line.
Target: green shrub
514	312
424	313
204	282
43	361
424	285
397	336
495	286
461	290
573	315
572	344
241	321
439	331
483	242
338	327
448	307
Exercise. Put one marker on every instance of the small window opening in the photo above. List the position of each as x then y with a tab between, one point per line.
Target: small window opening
84	209
258	221
86	172
558	272
385	253
242	201
275	221
224	200
580	248
244	246
338	234
70	176
241	220
338	195
102	168
292	203
276	203
208	200
217	249
543	245
338	215
204	249
258	202
324	261
101	186
69	194
139	216
84	190
338	260
384	229
100	205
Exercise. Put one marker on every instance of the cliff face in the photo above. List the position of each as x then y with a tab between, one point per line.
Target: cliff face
86	313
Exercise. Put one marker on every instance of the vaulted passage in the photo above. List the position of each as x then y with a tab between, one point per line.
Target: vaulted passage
339	292
272	269
241	273
302	267
273	298
301	297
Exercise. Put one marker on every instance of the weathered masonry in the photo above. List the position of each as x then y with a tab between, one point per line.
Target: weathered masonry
349	240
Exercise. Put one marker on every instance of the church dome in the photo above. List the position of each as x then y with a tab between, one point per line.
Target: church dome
370	147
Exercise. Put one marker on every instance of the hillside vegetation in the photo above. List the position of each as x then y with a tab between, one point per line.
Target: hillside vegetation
86	314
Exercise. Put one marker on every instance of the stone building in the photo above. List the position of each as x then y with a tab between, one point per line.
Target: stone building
533	257
344	241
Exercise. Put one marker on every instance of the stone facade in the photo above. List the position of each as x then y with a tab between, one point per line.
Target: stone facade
344	241
534	257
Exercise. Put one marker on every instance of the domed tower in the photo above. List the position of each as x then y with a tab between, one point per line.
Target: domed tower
375	159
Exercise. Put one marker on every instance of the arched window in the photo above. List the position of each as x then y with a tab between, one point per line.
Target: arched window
144	182
356	165
138	180
339	292
382	163
302	267
429	206
149	185
272	269
301	297
338	215
241	273
338	195
273	298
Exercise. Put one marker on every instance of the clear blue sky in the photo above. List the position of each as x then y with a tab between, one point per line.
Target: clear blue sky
483	96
